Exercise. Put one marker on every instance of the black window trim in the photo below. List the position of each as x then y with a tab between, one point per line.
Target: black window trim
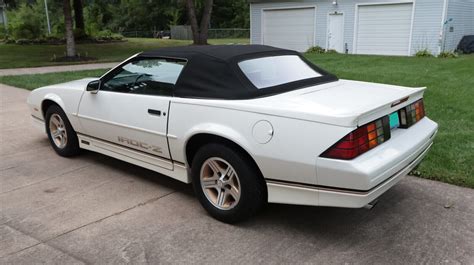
109	75
325	77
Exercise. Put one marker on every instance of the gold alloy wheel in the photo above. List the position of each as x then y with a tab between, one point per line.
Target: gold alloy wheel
220	183
57	130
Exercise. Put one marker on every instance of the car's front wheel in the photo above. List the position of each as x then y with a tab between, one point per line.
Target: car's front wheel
62	136
227	183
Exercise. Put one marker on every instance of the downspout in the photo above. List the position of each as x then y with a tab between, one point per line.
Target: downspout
442	31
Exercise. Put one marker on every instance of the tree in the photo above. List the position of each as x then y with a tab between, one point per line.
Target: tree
70	43
200	31
230	14
78	14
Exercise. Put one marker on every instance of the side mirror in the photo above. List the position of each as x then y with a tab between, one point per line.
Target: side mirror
93	86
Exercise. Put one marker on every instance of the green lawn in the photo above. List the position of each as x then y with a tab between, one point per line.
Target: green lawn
31	82
15	56
449	100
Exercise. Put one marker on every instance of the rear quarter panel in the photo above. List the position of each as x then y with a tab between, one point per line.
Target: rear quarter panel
290	155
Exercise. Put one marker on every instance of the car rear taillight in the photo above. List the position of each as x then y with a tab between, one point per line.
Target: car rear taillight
412	113
360	140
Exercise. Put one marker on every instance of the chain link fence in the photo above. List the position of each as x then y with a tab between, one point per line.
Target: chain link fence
231	33
139	34
185	33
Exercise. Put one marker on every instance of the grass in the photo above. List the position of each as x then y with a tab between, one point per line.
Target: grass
449	100
31	82
16	56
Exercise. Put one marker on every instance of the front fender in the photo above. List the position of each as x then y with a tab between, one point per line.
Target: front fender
55	98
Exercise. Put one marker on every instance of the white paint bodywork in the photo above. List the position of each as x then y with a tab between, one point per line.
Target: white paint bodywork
301	125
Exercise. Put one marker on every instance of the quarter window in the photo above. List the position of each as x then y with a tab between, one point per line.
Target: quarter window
147	76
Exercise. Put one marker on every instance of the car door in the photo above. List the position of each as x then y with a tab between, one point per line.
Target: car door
130	108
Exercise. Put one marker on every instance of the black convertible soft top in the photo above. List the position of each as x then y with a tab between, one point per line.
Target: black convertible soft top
212	71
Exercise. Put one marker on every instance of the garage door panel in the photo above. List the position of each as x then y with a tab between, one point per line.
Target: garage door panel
384	29
289	28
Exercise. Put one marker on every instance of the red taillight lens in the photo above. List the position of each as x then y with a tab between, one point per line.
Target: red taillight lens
360	140
412	113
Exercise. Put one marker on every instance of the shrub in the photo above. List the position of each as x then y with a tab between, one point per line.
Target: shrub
331	51
104	34
316	49
3	32
26	22
79	34
423	53
107	35
447	55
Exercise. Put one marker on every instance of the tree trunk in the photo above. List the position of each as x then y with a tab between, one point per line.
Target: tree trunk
206	17
200	31
78	14
70	44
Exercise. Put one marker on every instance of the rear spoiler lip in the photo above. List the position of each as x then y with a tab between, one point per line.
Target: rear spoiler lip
387	108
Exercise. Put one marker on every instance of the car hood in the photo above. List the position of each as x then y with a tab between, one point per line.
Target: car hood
76	84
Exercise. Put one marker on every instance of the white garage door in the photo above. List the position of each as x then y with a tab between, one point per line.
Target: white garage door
383	29
289	28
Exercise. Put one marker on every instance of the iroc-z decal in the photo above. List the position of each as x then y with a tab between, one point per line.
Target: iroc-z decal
141	145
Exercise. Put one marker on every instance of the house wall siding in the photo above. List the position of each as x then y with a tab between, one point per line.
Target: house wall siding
462	13
425	32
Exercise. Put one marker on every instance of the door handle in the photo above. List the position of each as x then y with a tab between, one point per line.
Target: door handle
154	112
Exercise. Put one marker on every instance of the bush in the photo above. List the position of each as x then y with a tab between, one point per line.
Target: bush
107	35
332	51
448	55
3	33
80	34
44	40
26	22
423	53
316	49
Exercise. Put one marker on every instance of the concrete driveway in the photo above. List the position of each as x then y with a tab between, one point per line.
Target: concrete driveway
95	209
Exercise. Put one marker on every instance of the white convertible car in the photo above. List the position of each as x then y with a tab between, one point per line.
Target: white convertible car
247	125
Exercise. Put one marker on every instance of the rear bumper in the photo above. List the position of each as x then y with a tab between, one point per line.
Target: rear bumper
379	164
357	199
357	182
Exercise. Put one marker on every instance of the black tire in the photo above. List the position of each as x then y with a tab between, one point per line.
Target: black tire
71	147
253	193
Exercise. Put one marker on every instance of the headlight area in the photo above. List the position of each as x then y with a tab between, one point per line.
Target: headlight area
372	134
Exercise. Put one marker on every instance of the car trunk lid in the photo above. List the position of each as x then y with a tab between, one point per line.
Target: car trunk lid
345	103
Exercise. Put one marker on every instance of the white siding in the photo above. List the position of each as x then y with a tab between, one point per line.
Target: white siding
462	13
426	23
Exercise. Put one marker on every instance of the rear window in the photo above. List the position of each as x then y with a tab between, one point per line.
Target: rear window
276	70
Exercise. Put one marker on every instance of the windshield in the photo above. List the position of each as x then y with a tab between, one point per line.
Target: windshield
276	70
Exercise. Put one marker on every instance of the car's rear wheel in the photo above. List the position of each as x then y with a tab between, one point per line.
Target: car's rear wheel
227	184
62	136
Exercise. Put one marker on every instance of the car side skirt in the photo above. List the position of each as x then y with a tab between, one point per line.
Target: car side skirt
161	165
38	123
